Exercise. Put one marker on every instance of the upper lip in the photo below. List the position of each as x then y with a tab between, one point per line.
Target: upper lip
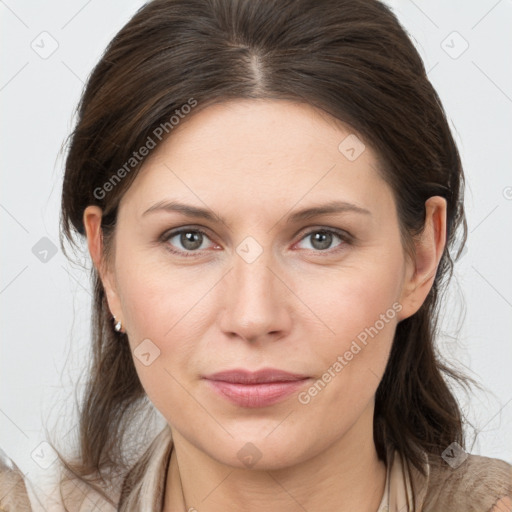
242	376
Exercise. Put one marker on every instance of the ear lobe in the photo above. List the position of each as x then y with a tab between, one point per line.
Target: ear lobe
92	223
422	268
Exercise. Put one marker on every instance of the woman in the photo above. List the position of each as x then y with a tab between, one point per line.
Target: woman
271	196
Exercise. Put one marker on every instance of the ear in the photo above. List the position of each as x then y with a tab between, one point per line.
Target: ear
92	223
421	269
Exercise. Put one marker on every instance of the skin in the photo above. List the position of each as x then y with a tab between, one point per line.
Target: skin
503	505
296	307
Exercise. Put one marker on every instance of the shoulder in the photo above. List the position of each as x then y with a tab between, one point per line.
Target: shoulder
13	493
18	493
477	484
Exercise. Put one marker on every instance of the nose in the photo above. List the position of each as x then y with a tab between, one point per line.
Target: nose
257	301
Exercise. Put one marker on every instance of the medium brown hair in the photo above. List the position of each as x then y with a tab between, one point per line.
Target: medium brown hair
349	58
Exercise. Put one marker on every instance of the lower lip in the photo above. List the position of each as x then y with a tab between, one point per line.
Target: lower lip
256	395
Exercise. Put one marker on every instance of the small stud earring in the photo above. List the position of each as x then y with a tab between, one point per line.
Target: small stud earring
118	326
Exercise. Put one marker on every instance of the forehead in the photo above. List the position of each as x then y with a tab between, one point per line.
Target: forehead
247	128
257	153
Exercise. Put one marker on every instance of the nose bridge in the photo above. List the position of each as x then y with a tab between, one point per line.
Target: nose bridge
251	277
255	304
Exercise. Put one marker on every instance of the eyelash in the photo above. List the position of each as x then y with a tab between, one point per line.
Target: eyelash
342	235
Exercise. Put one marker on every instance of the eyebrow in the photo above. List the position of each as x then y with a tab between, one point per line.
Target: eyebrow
297	216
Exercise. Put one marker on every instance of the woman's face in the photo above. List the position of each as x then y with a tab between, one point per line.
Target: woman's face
260	280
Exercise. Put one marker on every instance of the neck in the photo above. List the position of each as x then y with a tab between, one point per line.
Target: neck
345	477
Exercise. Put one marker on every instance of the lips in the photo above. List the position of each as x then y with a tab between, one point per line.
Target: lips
266	375
255	389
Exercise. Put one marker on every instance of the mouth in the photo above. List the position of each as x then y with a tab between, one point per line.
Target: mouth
255	389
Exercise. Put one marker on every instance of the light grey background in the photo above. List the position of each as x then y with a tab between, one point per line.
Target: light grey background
45	304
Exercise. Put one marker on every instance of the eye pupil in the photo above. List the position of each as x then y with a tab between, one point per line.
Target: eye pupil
191	239
321	240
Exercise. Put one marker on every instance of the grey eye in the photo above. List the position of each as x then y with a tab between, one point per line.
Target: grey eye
321	239
188	239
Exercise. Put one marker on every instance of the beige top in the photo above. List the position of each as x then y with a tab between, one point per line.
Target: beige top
476	485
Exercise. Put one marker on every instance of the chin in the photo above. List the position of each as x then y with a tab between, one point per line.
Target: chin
260	452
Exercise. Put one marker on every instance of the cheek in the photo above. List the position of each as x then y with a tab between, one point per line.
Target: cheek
351	299
360	306
164	319
170	307
158	297
364	324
